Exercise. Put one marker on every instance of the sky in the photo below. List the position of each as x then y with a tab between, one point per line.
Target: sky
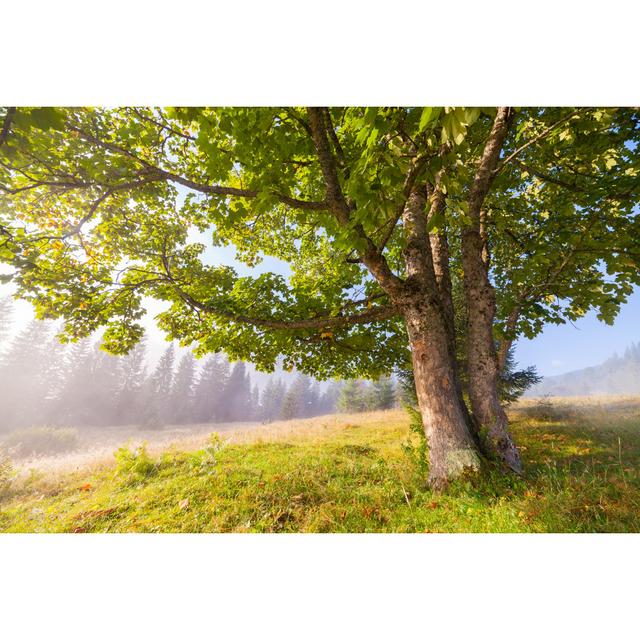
562	348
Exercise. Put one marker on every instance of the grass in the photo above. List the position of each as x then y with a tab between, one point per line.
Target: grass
352	474
34	441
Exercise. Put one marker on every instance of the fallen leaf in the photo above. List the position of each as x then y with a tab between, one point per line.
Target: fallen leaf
85	487
183	504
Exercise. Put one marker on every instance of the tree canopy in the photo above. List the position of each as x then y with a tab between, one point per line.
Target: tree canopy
98	205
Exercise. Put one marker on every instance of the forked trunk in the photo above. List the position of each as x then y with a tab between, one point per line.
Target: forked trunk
451	445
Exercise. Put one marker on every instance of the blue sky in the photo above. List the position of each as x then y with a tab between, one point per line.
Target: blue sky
562	348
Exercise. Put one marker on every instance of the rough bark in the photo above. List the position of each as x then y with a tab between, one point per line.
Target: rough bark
480	297
440	254
452	448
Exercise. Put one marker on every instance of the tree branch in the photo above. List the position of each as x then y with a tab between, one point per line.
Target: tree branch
217	190
374	314
370	254
6	126
533	140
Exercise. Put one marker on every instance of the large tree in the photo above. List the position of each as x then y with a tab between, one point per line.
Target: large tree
377	211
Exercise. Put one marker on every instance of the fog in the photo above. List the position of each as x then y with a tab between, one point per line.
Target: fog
57	398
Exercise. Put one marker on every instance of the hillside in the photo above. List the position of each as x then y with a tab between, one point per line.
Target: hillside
619	375
350	473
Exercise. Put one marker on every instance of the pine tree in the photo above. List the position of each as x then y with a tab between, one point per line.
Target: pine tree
272	399
256	407
297	401
182	391
73	405
290	403
312	403
384	392
133	373
514	382
158	389
23	377
53	374
236	405
6	313
352	397
209	390
104	387
329	398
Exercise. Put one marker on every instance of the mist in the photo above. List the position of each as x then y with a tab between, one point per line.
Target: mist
58	398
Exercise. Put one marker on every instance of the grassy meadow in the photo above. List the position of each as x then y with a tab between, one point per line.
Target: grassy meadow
350	473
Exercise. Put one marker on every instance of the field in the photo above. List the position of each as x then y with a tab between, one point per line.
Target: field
344	473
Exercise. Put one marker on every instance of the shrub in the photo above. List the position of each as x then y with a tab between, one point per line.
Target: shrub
41	441
416	447
135	462
6	473
545	411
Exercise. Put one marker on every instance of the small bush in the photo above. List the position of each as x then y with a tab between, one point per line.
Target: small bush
545	411
136	462
6	473
35	441
416	447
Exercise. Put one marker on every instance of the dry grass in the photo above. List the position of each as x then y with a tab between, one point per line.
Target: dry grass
97	445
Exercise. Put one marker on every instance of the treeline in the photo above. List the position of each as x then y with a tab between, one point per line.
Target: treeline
618	375
45	382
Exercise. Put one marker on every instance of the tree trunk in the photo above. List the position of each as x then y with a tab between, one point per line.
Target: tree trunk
484	374
481	306
440	252
452	448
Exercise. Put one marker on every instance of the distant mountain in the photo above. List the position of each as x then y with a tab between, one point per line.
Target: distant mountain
619	375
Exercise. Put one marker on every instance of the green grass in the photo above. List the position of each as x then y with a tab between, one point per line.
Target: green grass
582	475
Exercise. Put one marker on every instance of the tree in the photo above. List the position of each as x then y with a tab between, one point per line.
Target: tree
209	390
105	381
272	399
27	376
329	398
291	403
158	390
6	311
301	399
384	393
236	405
181	398
352	397
513	382
377	211
133	372
73	406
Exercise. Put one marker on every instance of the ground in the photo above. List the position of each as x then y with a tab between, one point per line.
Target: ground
350	473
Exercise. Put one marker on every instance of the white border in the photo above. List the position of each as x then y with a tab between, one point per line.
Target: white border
315	586
327	51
